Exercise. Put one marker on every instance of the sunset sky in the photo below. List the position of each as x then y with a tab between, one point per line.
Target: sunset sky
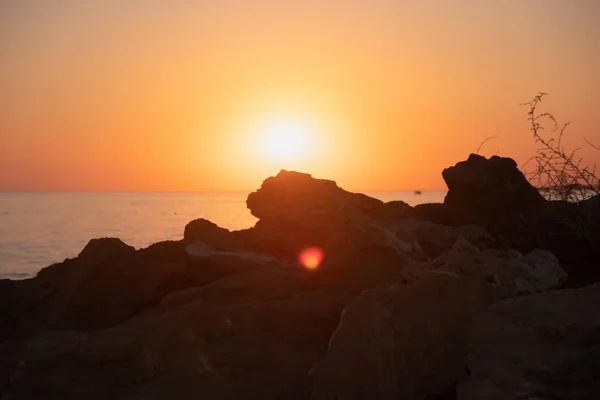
190	95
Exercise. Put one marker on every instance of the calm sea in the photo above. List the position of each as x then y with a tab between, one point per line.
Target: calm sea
39	229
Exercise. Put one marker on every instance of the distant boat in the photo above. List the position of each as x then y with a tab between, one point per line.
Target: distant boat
418	192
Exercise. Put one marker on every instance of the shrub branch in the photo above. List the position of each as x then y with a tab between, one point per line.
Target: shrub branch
558	174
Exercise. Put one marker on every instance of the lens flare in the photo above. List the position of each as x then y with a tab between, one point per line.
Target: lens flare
311	257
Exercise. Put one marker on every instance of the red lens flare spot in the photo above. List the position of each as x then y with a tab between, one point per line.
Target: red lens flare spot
311	257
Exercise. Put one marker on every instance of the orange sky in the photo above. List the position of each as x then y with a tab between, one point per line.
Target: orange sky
155	95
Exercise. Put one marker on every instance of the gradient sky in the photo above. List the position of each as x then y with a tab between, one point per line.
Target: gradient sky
168	95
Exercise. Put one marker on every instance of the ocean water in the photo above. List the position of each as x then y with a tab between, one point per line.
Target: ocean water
39	229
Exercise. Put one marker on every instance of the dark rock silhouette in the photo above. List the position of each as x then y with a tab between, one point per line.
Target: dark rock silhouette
404	300
541	346
488	192
494	194
207	232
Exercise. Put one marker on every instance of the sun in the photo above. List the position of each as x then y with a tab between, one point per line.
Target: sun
285	140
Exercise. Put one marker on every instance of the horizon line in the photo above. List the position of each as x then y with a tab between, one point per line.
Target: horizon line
204	191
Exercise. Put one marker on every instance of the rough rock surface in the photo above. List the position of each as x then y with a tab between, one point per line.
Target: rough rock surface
106	284
510	272
434	239
543	346
109	282
402	342
256	350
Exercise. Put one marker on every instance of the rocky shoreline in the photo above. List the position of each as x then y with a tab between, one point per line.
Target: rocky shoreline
489	295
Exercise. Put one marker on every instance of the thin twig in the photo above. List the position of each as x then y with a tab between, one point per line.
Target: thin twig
482	143
559	174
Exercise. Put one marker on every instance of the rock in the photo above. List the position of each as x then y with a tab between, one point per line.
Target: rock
254	350
207	232
300	199
105	288
297	211
278	240
259	284
99	288
401	342
106	284
545	345
225	314
434	239
560	227
102	250
397	209
200	251
432	212
543	270
207	265
110	282
494	194
487	192
355	231
508	271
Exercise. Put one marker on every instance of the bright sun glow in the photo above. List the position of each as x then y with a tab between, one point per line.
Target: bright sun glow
286	140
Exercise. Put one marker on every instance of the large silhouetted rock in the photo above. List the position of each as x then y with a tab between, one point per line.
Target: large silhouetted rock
296	210
355	231
299	199
543	346
494	194
488	192
106	284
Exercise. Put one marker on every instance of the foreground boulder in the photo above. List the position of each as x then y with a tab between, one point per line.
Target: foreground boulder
402	342
543	346
247	350
109	282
